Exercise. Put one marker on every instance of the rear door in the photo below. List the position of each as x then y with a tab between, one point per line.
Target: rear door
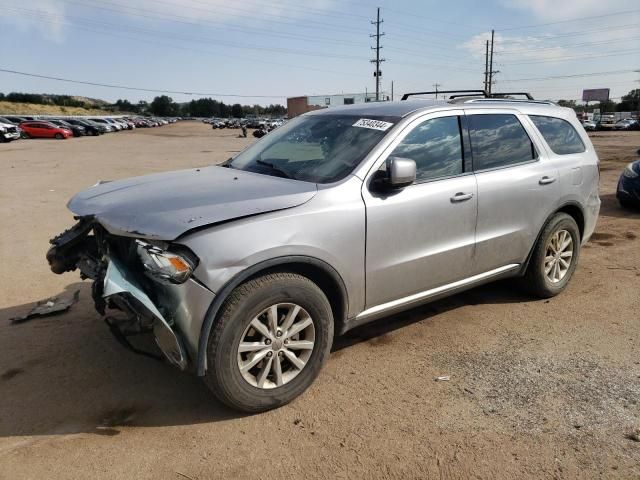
422	236
517	186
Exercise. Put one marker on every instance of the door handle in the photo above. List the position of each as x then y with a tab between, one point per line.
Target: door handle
461	197
546	180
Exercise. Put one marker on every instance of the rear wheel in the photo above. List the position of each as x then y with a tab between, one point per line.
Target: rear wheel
269	343
554	258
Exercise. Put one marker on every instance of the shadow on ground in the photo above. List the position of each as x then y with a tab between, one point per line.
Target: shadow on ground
66	374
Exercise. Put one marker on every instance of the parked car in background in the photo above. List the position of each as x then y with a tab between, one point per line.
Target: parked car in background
8	131
78	131
628	191
91	128
238	270
17	120
627	124
44	129
590	125
103	121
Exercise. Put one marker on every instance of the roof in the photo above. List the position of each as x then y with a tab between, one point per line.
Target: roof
383	109
406	107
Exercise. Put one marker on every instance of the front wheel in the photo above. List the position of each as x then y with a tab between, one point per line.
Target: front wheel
59	136
270	341
554	258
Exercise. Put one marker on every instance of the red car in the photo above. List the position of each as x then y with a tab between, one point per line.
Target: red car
42	129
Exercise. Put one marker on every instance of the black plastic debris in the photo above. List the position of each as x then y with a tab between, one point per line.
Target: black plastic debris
50	306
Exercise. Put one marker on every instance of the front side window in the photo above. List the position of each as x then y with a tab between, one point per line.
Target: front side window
499	140
316	148
559	134
436	147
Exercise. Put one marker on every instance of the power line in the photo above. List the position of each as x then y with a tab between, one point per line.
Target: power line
625	12
570	58
571	45
138	89
554	77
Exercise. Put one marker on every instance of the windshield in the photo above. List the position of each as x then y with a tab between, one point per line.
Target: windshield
315	148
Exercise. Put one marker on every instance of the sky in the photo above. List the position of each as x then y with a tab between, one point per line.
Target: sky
261	51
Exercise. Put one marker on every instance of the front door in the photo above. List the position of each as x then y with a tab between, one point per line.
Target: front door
422	236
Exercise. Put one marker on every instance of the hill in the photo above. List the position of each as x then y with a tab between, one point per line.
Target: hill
18	108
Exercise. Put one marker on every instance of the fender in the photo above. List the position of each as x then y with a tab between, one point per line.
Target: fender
223	293
525	265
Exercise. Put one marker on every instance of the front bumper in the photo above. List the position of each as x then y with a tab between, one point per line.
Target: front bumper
119	285
629	189
173	313
10	135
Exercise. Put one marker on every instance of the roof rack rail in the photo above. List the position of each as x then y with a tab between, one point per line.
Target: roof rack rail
469	93
460	93
511	94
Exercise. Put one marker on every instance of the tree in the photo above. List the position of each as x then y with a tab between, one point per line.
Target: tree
125	106
164	106
236	110
630	102
567	103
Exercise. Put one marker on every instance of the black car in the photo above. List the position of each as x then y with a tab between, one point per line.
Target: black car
78	130
628	191
90	128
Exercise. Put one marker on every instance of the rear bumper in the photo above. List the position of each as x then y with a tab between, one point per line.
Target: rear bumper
591	212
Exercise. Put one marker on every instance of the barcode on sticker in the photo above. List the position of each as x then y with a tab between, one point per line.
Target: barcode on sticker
373	124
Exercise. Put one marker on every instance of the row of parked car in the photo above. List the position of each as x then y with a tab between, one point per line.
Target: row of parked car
257	123
624	124
13	127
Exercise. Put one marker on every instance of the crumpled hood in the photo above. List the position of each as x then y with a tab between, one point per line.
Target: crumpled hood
164	206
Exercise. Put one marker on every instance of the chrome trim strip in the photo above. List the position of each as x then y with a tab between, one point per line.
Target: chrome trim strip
417	297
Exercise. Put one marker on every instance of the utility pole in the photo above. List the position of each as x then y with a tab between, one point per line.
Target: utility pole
491	71
392	90
377	74
436	85
486	65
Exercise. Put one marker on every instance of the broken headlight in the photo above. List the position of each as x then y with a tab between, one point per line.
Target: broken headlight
160	263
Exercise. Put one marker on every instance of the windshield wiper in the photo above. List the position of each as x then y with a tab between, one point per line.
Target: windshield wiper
274	168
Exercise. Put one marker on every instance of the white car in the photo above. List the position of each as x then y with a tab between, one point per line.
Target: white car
9	132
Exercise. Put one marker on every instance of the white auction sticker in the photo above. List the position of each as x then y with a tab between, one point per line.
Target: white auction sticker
373	124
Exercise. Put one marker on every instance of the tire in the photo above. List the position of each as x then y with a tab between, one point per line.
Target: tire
235	323
536	280
59	136
625	203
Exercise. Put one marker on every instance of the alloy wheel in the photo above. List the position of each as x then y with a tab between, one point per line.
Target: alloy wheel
558	256
276	345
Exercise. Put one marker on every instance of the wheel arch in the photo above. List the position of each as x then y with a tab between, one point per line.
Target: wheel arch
574	210
318	271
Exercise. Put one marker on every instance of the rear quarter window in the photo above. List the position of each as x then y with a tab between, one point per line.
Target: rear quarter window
559	134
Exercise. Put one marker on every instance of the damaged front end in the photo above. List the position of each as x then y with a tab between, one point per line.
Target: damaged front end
150	283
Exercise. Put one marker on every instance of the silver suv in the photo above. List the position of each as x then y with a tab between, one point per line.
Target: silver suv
243	272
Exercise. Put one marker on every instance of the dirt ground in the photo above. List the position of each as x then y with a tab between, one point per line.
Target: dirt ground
538	389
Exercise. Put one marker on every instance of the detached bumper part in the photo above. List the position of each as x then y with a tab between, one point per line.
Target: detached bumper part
118	283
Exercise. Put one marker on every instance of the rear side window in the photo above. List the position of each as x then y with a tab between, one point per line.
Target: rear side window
559	134
499	140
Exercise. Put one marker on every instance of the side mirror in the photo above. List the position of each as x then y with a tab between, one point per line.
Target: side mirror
401	172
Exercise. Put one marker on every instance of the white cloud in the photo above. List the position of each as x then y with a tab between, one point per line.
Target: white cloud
520	47
32	19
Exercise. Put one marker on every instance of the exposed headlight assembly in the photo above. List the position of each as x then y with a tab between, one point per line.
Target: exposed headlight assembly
629	172
163	264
